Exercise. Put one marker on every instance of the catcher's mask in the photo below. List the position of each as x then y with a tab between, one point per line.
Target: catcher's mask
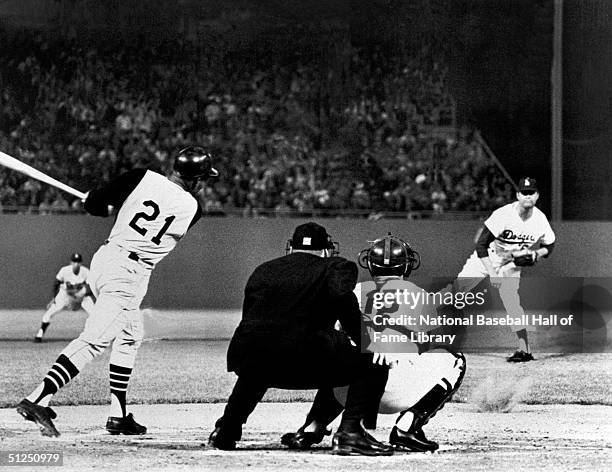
312	237
389	256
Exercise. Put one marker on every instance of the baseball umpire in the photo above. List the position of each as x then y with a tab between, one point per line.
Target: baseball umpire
154	213
286	339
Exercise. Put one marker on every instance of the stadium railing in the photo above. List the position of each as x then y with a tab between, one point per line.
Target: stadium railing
288	213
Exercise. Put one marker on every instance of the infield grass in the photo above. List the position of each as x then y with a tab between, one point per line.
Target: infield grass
193	371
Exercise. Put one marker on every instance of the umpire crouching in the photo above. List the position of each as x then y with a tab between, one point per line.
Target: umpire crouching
286	339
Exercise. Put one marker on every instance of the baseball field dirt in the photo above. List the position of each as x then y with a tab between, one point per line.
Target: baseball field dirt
531	437
562	421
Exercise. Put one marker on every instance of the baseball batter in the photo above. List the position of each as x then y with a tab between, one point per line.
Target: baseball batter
71	293
514	236
154	213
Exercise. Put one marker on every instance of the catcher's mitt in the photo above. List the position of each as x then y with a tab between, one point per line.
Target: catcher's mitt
525	257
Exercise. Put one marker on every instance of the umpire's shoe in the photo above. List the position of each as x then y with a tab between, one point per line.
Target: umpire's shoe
303	440
40	415
126	425
359	442
520	356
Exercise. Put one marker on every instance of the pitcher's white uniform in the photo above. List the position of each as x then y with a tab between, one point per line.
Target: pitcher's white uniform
511	233
154	214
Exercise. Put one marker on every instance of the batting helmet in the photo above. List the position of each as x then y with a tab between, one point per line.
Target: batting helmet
389	256
194	162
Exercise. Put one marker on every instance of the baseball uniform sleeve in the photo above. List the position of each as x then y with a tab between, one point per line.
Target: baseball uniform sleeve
495	223
197	216
114	193
549	234
482	245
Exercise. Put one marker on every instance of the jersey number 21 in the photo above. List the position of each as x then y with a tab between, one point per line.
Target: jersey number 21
151	217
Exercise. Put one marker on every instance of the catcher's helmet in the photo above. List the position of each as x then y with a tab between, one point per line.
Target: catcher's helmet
194	162
389	256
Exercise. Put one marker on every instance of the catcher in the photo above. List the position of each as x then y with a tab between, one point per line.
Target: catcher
514	236
420	381
70	291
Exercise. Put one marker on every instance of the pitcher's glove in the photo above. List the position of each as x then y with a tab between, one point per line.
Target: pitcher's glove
524	257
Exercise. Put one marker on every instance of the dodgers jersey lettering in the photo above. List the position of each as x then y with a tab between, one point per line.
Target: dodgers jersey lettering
512	233
70	281
153	218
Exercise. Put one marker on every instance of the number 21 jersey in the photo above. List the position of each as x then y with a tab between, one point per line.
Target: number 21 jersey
154	213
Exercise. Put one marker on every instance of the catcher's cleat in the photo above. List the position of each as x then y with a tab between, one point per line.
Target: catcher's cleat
347	443
37	339
303	440
521	356
220	439
40	415
126	425
413	440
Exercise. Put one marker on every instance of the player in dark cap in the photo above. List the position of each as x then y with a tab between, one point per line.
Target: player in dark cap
70	292
286	339
514	236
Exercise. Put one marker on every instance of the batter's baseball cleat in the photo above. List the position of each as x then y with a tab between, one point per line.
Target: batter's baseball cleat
413	440
348	443
221	439
40	415
126	425
521	356
303	440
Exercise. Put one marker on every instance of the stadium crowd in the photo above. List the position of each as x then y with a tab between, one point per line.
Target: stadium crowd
361	134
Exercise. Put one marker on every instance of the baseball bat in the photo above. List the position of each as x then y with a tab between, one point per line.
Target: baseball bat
24	168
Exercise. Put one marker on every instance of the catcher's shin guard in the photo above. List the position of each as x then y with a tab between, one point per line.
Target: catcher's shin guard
434	400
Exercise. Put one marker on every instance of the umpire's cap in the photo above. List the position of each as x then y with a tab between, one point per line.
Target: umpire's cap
76	257
312	237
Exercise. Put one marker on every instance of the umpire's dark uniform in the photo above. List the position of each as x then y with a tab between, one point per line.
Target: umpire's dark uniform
286	338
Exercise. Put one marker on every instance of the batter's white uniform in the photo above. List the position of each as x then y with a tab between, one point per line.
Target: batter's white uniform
153	217
414	374
511	233
72	293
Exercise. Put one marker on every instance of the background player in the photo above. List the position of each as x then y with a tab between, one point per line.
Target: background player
154	212
419	384
70	292
515	235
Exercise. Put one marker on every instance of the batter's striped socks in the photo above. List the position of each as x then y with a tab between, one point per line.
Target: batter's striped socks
62	372
119	380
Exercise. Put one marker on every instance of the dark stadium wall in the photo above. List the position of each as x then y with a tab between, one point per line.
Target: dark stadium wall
587	110
209	268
